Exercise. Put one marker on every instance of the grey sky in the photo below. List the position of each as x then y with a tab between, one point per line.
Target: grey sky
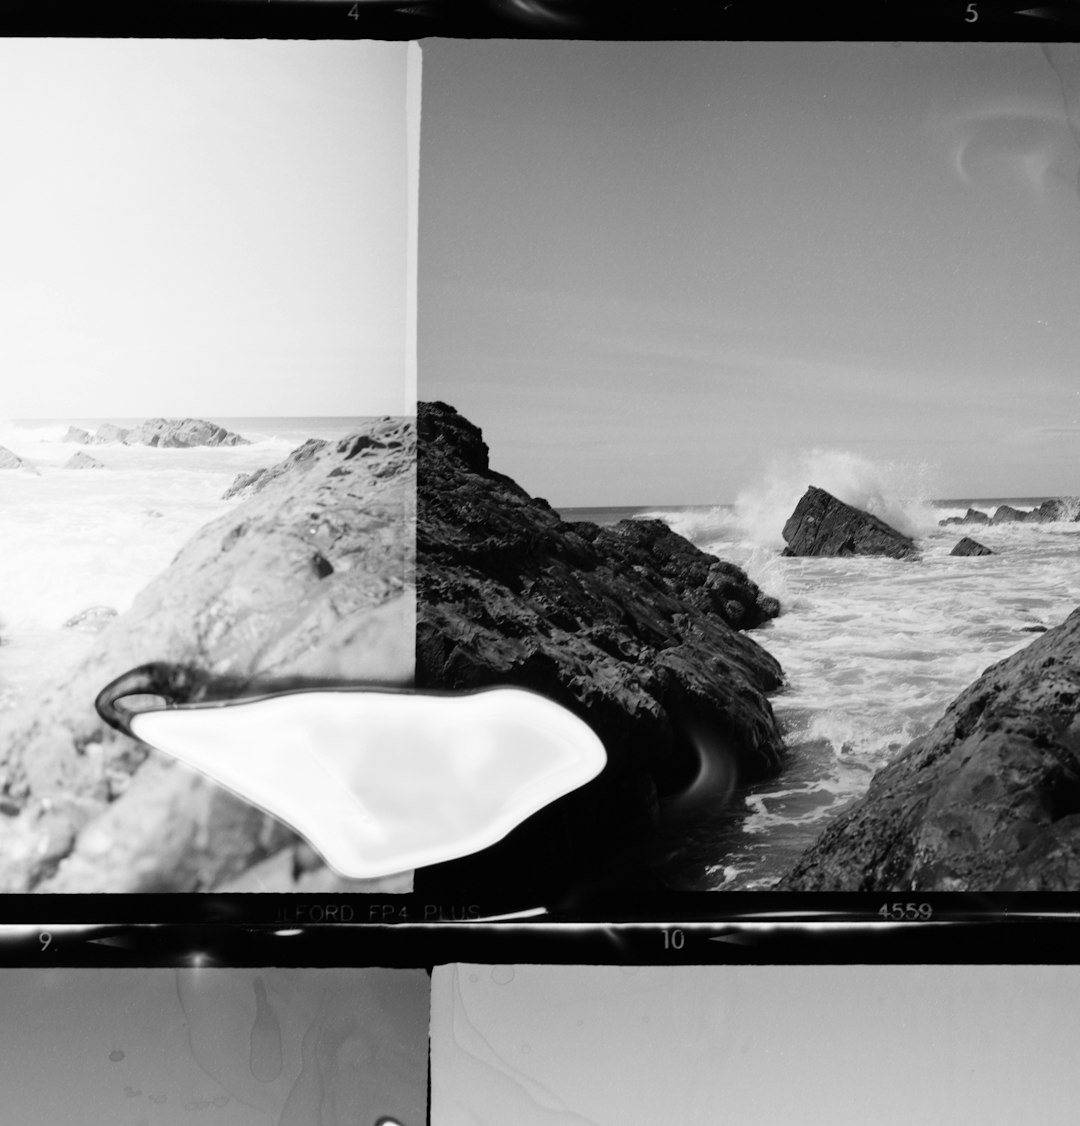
646	268
202	227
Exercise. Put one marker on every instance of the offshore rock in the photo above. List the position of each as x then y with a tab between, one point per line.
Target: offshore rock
77	434
92	620
307	583
107	433
1056	509
968	546
631	627
8	460
972	516
82	460
823	525
987	800
181	433
1006	514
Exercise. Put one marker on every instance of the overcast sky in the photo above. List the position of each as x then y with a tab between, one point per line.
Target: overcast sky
756	1045
646	268
202	227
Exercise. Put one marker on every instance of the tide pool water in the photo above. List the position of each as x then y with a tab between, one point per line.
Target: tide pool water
873	649
73	539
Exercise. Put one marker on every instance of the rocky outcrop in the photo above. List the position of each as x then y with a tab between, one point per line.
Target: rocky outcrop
823	525
968	546
107	433
1056	509
92	620
972	516
168	432
987	800
8	460
1006	514
77	434
245	484
307	583
82	461
631	627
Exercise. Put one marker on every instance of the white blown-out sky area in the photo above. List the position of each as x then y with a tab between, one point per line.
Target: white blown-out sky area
754	1045
203	228
647	270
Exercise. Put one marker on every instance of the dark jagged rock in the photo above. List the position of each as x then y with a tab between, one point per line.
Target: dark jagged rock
82	460
77	434
631	627
987	800
968	546
170	432
1006	514
309	582
823	525
1055	509
972	516
107	433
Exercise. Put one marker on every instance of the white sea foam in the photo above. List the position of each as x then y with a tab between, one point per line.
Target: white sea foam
895	492
874	649
77	538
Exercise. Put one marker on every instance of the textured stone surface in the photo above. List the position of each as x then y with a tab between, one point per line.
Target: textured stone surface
823	525
987	800
180	433
107	433
968	546
972	516
82	460
77	434
631	627
307	582
9	460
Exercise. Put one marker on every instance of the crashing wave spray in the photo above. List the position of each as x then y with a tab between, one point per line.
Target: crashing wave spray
896	492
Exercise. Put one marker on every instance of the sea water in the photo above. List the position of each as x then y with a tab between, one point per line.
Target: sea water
873	649
72	539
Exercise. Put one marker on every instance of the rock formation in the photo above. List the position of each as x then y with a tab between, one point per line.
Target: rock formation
968	546
82	460
307	582
972	516
92	620
107	433
631	627
823	525
1006	514
8	460
181	433
77	434
246	483
987	800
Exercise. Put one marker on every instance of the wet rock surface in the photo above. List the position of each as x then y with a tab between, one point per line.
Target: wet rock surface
972	516
823	525
968	546
170	432
307	583
987	800
631	627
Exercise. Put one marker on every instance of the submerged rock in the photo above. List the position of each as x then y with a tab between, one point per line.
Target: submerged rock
631	627
823	525
972	516
968	546
307	583
82	461
987	800
170	432
93	620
